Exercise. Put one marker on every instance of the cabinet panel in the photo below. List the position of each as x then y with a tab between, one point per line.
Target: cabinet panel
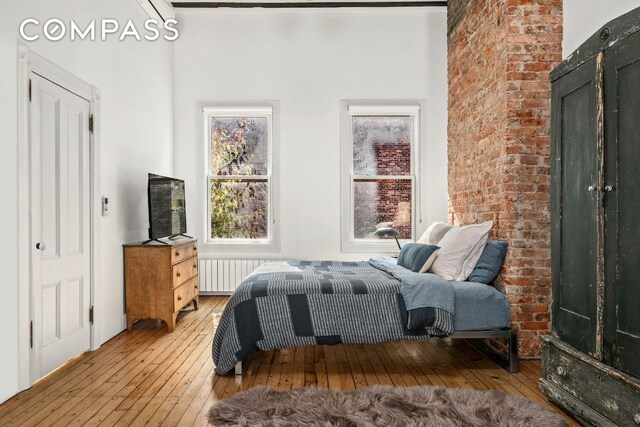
574	205
622	99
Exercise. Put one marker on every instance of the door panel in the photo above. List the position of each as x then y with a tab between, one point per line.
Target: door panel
574	230
75	173
622	319
60	178
50	149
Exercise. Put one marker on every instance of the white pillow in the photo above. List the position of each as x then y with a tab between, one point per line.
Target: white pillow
434	233
460	250
429	262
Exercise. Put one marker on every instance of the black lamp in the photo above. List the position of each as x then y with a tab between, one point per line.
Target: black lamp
388	232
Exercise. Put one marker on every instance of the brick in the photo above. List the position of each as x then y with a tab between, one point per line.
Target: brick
499	139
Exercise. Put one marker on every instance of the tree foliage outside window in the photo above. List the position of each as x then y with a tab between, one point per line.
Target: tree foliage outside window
239	180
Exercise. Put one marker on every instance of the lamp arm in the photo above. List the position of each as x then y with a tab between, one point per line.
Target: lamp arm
399	247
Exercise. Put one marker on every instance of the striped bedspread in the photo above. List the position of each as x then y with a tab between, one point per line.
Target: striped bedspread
319	302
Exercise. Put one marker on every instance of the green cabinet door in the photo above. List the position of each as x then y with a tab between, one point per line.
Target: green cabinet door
574	232
622	174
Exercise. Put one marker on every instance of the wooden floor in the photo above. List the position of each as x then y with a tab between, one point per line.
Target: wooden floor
152	377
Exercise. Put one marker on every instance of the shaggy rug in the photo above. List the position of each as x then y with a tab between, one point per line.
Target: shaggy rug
379	406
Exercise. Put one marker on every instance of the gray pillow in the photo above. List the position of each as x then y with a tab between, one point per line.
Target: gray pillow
413	256
490	262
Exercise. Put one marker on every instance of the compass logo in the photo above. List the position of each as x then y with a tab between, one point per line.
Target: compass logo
55	29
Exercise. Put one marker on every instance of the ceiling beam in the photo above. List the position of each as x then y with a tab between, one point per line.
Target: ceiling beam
306	4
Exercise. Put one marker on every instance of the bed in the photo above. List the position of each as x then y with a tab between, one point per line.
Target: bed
298	303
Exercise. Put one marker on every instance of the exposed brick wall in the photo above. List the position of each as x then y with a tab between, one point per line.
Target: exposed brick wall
500	55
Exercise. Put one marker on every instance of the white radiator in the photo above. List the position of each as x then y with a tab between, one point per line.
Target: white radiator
222	276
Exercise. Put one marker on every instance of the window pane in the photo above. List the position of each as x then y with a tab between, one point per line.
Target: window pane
239	146
381	203
239	209
382	145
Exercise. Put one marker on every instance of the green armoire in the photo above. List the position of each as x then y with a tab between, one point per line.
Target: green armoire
591	364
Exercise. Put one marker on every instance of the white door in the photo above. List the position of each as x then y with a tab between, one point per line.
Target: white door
60	225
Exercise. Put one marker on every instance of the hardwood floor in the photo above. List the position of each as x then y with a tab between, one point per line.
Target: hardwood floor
152	377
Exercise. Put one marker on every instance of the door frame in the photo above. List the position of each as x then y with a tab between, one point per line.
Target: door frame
30	62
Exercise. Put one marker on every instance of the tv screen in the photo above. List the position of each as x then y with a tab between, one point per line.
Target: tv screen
167	214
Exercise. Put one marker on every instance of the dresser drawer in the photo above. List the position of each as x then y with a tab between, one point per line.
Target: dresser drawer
184	271
607	391
182	252
185	293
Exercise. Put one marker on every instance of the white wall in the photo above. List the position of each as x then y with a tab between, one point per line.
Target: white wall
135	80
582	18
310	60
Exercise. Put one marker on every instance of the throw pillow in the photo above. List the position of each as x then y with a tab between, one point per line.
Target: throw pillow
415	256
490	262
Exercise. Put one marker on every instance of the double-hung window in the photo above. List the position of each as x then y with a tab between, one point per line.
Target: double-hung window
240	179
379	168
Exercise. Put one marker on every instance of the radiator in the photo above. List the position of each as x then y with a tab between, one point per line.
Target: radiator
222	276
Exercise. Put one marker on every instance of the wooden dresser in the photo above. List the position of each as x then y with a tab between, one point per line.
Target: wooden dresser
160	279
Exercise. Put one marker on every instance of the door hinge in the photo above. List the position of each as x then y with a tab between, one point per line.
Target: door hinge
31	334
29	90
91	315
91	123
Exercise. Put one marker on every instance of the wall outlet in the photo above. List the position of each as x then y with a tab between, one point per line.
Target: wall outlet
105	206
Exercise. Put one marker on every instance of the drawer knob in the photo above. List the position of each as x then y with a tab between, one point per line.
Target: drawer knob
177	253
178	274
636	418
195	287
195	266
179	297
195	249
561	371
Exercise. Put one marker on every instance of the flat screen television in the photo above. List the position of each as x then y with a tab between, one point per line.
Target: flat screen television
167	213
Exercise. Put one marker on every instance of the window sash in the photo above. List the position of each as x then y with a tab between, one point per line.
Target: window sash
350	110
353	207
240	112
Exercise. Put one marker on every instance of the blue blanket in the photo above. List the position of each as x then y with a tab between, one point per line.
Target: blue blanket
422	293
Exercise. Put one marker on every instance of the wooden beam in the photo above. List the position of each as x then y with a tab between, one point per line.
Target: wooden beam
305	5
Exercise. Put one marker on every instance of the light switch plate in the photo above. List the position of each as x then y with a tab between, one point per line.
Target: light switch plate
105	206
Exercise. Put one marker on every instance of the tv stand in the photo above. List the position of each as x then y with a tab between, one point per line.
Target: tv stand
153	240
179	235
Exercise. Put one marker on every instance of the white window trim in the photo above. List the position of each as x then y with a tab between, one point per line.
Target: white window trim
386	108
272	242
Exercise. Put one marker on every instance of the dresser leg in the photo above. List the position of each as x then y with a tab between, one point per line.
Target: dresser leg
171	322
196	302
130	321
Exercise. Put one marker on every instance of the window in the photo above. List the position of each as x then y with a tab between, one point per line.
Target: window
380	146
240	175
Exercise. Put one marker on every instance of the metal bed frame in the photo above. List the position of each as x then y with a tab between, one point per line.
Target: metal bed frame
508	362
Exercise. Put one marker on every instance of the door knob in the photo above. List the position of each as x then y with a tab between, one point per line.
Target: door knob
592	188
40	246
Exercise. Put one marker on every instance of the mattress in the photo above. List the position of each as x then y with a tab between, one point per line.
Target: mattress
479	306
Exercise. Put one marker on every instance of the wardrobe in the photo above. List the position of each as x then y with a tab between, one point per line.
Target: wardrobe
591	363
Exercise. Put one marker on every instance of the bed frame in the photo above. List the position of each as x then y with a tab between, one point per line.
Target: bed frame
508	362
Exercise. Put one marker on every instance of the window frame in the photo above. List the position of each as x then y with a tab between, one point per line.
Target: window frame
262	110
349	109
